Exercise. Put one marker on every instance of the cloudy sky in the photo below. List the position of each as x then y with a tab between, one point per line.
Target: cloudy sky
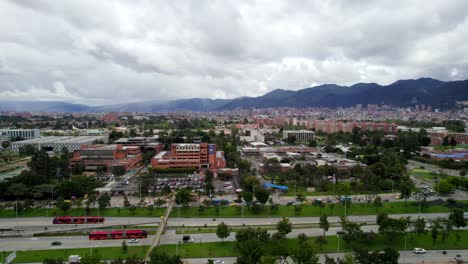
105	52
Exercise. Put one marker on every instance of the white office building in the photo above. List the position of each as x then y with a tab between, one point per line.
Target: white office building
58	143
20	133
300	135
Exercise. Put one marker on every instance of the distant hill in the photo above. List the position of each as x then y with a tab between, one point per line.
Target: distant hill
400	93
41	106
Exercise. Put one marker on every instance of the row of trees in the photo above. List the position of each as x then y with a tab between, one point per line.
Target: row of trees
47	178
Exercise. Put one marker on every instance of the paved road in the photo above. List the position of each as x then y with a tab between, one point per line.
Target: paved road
170	237
294	220
37	243
406	257
29	226
433	168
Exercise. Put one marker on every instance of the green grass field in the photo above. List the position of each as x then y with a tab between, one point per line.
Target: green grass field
230	211
310	210
124	212
104	253
228	249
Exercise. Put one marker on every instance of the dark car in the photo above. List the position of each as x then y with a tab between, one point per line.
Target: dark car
56	243
340	232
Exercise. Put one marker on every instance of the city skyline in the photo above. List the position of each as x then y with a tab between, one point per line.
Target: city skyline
154	51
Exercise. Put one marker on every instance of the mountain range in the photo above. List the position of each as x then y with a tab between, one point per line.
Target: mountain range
438	94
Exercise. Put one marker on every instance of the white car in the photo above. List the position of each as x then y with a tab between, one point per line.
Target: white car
419	251
219	261
133	241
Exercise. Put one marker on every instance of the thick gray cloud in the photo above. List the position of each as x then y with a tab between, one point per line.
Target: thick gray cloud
104	52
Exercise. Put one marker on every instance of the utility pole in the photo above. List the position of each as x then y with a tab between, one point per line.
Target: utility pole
338	244
17	224
139	186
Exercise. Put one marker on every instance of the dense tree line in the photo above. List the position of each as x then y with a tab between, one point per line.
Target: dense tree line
47	177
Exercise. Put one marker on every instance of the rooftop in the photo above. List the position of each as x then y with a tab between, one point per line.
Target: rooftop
65	139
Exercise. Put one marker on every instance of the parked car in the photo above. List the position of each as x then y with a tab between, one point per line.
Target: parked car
419	251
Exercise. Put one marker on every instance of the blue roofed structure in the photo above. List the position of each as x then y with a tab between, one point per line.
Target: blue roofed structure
275	186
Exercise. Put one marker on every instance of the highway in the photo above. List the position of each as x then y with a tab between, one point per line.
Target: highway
170	237
37	224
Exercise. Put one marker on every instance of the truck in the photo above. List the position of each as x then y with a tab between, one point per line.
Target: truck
74	259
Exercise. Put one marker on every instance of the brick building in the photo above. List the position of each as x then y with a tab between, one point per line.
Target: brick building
438	137
108	156
197	155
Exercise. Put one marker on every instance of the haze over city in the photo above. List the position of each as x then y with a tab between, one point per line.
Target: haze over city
107	52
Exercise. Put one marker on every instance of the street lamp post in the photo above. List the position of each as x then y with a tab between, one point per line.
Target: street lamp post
338	244
16	205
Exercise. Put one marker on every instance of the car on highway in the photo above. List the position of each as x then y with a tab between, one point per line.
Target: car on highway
133	241
187	239
218	261
419	251
56	243
340	232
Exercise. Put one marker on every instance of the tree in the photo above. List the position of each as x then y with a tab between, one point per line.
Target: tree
90	260
284	226
64	205
53	261
381	217
304	254
104	201
453	142
118	171
222	231
324	224
300	197
387	256
313	143
405	191
268	260
159	256
159	202
262	194
457	218
209	187
378	202
250	183
183	197
420	225
124	247
393	227
434	234
445	141
250	251
248	197
126	202
444	187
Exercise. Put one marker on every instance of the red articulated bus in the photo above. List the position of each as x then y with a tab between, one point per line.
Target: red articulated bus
78	219
117	234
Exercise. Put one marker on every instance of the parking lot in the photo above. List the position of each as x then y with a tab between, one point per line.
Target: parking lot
196	183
